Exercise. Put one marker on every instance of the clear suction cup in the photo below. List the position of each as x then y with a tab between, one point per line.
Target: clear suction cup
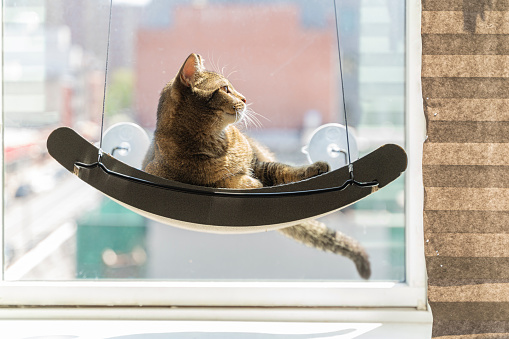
328	143
127	142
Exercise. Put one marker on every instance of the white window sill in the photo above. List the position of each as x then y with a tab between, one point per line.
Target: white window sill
158	323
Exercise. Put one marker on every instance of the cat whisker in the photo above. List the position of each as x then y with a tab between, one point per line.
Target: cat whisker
257	114
217	68
247	118
215	65
208	57
250	121
216	121
250	117
254	117
232	72
240	117
256	122
211	60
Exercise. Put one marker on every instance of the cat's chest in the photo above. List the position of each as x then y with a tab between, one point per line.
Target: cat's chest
238	147
206	161
237	158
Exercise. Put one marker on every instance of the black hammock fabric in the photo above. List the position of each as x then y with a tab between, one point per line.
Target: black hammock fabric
224	207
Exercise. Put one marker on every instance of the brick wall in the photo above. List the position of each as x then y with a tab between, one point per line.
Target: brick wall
282	67
465	84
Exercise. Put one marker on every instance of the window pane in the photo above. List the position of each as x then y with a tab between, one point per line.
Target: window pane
281	55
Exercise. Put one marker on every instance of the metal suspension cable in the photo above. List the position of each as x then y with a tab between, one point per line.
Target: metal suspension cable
105	81
350	166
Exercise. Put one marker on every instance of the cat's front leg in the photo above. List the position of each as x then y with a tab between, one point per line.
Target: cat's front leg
275	173
314	169
240	181
304	172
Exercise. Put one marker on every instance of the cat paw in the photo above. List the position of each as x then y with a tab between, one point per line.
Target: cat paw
317	168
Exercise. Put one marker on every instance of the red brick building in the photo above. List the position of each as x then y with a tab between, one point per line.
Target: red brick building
281	67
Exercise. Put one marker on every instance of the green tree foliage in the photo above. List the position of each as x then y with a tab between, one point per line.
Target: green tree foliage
119	94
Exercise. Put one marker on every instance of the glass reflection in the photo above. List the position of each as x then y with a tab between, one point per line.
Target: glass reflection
282	55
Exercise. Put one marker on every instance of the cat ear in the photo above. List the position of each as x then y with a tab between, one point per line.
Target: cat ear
192	65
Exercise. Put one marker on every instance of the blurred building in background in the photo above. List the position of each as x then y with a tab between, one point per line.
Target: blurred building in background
282	67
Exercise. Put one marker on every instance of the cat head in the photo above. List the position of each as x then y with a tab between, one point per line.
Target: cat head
206	97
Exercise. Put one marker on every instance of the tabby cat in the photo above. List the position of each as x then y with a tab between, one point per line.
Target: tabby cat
196	142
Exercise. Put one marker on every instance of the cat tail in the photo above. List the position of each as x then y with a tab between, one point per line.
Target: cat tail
315	234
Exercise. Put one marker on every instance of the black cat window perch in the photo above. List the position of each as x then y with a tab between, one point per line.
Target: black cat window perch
225	210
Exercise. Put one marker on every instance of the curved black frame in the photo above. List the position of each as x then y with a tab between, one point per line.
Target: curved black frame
224	207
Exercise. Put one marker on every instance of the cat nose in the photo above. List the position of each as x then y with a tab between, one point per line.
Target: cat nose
243	99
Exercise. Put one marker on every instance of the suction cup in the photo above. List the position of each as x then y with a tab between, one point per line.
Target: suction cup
328	143
127	142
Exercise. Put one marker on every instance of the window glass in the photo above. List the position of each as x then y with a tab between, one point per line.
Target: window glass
281	55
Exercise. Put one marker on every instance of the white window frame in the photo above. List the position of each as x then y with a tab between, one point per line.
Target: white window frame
198	298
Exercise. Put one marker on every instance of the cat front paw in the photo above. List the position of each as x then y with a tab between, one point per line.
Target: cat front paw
317	168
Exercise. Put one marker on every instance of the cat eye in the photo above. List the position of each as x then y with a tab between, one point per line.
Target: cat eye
226	89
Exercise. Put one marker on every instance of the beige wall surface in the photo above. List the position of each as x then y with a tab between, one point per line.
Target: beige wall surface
465	88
